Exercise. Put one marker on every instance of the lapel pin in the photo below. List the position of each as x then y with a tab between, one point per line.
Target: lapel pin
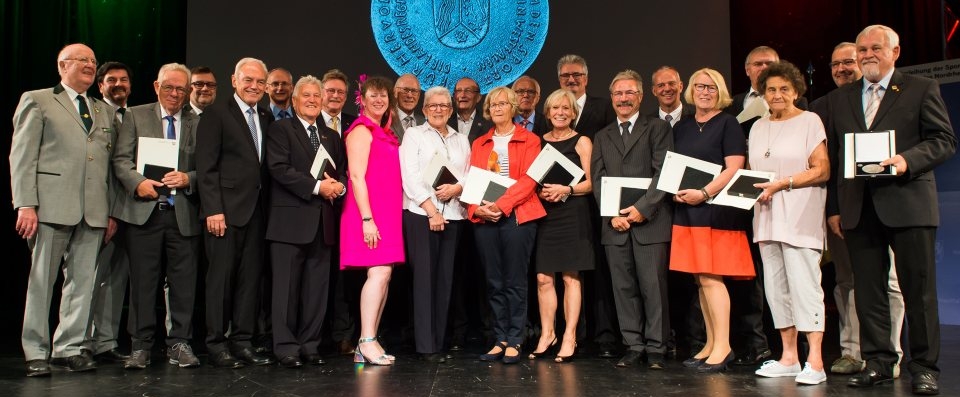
895	88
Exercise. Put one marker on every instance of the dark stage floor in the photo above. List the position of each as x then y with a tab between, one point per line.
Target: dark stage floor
461	376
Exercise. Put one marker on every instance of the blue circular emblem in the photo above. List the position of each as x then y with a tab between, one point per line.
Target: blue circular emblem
442	41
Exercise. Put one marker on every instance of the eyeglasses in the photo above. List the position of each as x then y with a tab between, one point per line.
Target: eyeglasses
466	91
334	91
846	62
83	60
278	84
710	88
408	90
525	92
629	93
200	84
576	76
498	105
166	89
760	64
441	106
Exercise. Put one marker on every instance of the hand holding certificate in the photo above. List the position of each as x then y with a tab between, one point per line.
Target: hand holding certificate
866	154
482	185
684	172
741	192
618	193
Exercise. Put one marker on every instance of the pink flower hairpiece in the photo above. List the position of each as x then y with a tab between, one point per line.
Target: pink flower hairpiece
359	93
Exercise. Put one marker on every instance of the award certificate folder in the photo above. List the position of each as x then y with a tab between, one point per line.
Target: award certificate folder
323	163
740	192
684	172
553	167
617	193
440	171
482	185
863	152
157	157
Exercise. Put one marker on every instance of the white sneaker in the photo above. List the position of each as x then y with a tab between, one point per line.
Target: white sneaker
773	369
810	376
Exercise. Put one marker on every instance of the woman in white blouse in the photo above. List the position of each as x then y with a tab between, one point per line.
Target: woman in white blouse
433	218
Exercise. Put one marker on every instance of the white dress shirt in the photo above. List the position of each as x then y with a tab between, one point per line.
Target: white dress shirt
419	145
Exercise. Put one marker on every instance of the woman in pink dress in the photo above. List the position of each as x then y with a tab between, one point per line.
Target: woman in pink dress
371	234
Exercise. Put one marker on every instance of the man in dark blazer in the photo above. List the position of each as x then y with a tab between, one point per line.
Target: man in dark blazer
469	118
756	62
157	225
636	242
406	92
233	186
302	224
897	211
335	91
528	96
595	113
667	88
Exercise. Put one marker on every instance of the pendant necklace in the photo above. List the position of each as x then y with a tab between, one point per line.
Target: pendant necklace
774	140
701	125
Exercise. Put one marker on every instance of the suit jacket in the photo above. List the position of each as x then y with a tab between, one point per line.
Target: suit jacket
58	167
641	157
346	120
397	124
145	121
737	106
231	178
295	213
597	113
480	125
911	106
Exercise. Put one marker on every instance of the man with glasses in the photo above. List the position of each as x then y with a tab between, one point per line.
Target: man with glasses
204	88
466	96
595	112
528	93
60	183
160	225
335	86
279	89
406	92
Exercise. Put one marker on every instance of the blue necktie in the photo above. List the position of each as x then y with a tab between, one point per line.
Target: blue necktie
171	130
253	129
283	115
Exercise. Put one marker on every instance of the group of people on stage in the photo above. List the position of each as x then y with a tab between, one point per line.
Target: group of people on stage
275	196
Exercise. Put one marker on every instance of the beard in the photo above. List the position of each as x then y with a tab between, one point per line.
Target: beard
871	72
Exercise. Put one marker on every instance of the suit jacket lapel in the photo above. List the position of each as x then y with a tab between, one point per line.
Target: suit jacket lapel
157	122
855	99
240	115
617	138
188	125
68	103
638	129
302	136
890	96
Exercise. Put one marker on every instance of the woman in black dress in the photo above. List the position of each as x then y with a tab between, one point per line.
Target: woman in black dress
564	238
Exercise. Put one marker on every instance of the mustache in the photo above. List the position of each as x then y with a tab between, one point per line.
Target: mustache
625	103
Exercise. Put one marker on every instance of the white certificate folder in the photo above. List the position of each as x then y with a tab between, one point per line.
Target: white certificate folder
553	167
482	185
863	152
323	163
156	157
617	193
740	192
684	172
440	171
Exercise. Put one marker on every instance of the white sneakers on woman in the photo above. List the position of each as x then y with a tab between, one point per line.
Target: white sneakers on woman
807	376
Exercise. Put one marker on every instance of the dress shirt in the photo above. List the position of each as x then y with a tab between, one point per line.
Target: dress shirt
73	98
749	98
419	145
675	114
581	102
256	120
518	120
464	125
632	120
276	111
306	125
326	121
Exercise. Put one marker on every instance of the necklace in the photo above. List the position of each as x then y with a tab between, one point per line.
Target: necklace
508	133
701	125
561	137
771	141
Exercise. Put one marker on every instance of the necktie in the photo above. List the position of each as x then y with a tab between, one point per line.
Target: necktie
283	114
335	123
407	122
253	129
314	138
873	102
120	112
625	130
85	113
524	123
668	118
171	130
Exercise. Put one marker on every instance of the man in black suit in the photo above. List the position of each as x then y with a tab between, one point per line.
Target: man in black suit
233	185
595	114
469	120
335	85
279	87
406	91
204	92
302	224
667	87
528	95
158	225
898	212
637	243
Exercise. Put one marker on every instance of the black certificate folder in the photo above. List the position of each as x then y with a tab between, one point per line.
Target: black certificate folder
743	187
328	168
557	175
694	179
156	173
444	177
630	195
494	191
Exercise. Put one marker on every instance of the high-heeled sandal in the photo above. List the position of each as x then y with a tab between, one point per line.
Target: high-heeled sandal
495	356
566	359
545	352
359	357
511	359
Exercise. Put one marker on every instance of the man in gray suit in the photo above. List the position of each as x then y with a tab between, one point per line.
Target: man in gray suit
60	180
159	225
636	242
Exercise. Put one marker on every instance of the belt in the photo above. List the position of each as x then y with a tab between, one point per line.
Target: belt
164	206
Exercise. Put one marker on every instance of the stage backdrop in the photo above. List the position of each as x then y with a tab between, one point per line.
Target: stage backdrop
310	37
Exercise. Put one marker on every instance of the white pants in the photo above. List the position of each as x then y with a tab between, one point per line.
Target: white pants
791	281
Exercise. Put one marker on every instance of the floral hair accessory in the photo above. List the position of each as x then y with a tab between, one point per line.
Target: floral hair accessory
359	93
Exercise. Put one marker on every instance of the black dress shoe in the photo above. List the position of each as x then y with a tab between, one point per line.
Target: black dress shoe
607	350
226	360
868	377
630	358
251	357
433	358
81	363
111	356
314	359
753	357
291	362
925	383
37	368
656	361
694	362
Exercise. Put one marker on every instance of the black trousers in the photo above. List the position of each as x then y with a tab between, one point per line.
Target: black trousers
640	292
147	245
505	249
430	256
301	283
469	308
233	283
913	249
